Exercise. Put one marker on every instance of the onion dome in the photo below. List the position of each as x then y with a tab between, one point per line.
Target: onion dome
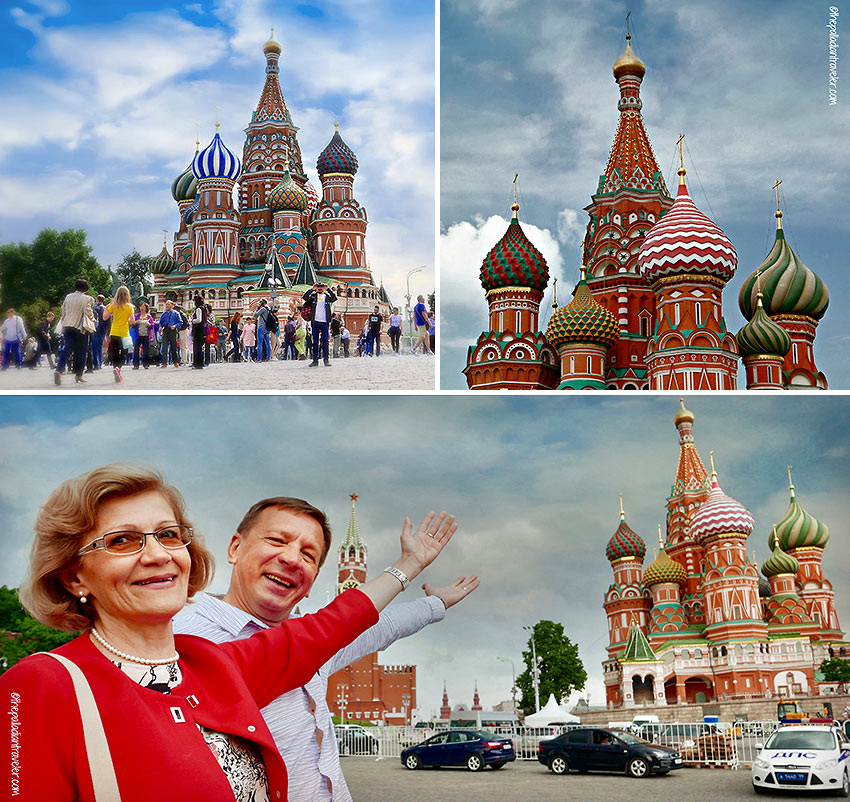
799	529
761	336
685	241
684	415
183	187
720	515
312	195
514	261
779	562
663	569
583	319
190	211
337	157
628	63
271	46
788	286
764	588
163	262
287	195
216	161
625	542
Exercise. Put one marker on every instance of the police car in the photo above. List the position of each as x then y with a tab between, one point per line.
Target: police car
812	757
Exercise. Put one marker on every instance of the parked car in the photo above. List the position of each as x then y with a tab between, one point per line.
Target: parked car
474	749
353	739
592	749
803	758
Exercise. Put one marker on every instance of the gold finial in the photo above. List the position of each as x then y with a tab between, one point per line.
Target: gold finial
583	273
271	35
711	458
336	126
515	205
778	214
775	538
790	482
217	114
164	236
622	511
755	563
660	539
760	294
681	171
555	293
197	137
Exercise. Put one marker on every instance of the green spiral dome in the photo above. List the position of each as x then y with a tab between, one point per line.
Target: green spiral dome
762	337
779	563
799	529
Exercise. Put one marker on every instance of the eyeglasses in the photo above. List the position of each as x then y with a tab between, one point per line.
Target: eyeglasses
176	536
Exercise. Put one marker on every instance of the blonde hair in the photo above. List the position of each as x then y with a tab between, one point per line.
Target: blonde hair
64	522
122	296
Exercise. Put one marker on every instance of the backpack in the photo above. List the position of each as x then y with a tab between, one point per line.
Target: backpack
306	311
184	321
271	321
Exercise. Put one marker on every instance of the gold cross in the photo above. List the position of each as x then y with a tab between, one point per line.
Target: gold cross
776	187
516	175
679	143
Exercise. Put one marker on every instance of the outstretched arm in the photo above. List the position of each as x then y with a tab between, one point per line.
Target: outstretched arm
418	550
455	592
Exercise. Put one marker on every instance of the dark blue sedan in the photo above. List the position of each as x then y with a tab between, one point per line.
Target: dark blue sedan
474	749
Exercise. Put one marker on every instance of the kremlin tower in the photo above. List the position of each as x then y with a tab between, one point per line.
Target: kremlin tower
794	298
630	199
513	354
698	625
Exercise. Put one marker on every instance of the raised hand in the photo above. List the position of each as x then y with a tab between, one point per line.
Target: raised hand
454	592
428	540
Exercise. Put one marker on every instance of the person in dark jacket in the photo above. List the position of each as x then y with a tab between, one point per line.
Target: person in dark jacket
320	297
43	337
199	333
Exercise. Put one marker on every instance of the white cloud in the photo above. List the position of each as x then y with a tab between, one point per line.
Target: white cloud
571	226
32	20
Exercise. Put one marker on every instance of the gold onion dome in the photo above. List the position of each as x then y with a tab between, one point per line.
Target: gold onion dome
287	195
684	415
582	320
798	529
761	336
271	46
628	63
663	569
779	562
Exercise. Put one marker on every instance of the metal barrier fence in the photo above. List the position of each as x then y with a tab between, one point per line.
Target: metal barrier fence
701	744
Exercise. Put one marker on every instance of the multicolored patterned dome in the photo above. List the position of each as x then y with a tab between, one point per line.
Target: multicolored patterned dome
312	195
779	563
799	529
583	319
337	157
625	543
163	262
764	588
216	161
720	515
663	569
183	187
190	211
685	241
788	286
514	261
288	196
761	336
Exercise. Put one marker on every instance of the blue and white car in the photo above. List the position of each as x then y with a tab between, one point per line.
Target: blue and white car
814	757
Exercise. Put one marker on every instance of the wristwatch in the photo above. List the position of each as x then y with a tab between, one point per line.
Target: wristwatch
399	575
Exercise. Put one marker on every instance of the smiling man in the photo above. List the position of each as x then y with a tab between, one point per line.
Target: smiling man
276	554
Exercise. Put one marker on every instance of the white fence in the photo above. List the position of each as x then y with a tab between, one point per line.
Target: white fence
731	745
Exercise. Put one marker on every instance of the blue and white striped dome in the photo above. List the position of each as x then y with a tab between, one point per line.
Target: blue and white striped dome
216	161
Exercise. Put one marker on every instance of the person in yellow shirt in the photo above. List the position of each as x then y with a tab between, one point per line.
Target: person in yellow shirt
120	310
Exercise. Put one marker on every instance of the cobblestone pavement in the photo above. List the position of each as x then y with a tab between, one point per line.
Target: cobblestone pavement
386	780
382	374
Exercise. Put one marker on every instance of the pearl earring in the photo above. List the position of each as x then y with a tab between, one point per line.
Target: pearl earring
83	599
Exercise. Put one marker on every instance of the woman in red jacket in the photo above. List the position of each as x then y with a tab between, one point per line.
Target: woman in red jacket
116	558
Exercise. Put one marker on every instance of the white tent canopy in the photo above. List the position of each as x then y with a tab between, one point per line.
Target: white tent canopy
550	713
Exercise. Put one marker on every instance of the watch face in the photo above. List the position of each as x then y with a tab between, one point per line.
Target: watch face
350	583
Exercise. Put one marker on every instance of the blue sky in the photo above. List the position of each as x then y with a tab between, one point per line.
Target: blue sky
102	102
533	480
527	87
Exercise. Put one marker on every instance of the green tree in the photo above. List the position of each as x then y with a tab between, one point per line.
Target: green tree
46	269
561	669
132	270
431	301
836	670
20	634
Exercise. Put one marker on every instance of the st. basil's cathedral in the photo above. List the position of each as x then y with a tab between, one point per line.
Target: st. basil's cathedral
283	237
646	313
699	624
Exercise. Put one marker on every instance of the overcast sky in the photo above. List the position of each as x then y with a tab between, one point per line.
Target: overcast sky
533	480
527	87
102	101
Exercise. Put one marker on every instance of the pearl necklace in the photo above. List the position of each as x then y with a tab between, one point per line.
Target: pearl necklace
132	658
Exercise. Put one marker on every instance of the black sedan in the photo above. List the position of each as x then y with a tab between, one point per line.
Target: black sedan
474	749
591	749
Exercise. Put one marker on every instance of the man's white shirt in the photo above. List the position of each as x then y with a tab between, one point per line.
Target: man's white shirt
300	720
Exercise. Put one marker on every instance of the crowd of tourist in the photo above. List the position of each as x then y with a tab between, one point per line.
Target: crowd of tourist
92	333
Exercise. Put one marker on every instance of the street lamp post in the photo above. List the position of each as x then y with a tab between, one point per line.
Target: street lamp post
513	673
408	315
342	701
535	670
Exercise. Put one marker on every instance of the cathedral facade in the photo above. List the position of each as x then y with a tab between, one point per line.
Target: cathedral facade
282	235
699	623
647	311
